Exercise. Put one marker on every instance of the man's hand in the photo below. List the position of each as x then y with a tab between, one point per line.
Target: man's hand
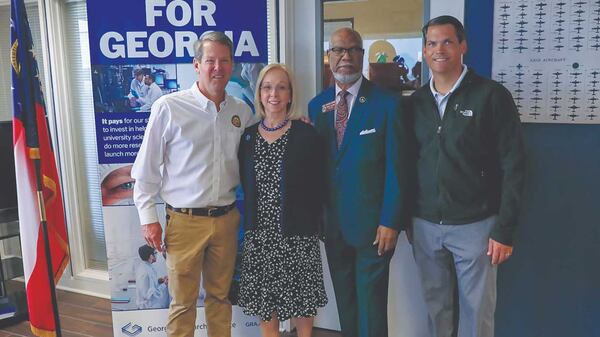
152	233
498	252
385	239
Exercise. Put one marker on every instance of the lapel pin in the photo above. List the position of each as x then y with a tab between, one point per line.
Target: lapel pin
362	99
456	107
235	120
328	107
247	138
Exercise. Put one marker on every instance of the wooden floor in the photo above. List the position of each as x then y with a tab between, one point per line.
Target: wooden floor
82	315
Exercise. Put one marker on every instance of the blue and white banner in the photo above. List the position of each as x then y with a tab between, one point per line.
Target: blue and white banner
161	31
141	50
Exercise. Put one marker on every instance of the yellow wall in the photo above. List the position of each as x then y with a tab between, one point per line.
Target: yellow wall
379	17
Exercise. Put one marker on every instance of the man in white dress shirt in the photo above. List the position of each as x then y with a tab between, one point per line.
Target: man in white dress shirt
189	158
153	92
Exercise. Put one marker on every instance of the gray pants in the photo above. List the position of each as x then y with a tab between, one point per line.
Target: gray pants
458	279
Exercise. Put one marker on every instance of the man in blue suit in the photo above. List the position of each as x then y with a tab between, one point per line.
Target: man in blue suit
368	176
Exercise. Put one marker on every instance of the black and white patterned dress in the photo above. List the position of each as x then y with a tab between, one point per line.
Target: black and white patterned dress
280	274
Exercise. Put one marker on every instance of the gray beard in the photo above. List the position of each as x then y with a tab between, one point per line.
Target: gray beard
347	78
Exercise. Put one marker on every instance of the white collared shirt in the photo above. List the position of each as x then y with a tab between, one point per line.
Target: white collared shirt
442	100
189	152
351	97
153	93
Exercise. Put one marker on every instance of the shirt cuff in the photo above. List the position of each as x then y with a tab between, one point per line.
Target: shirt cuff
148	215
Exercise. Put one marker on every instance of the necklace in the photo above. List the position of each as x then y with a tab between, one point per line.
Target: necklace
276	127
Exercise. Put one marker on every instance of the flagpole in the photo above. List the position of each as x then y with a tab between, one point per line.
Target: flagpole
33	141
44	224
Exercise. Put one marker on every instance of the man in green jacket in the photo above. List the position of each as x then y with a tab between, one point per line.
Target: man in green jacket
471	168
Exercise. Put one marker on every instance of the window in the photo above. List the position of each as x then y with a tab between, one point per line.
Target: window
82	114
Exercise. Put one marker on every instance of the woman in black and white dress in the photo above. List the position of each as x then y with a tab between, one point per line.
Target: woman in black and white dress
282	178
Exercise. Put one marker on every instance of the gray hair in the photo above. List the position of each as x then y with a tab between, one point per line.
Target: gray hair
218	37
347	30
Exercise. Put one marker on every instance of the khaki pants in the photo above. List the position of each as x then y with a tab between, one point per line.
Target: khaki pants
195	245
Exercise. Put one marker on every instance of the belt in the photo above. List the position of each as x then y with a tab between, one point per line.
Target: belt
208	211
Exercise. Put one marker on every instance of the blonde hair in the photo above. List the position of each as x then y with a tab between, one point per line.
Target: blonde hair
292	113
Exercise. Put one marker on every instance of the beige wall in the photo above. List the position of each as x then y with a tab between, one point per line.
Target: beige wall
374	18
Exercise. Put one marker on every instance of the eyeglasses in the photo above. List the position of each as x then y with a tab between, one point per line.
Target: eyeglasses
270	88
339	51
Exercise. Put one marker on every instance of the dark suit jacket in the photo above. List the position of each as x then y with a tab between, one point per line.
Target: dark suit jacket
302	186
369	177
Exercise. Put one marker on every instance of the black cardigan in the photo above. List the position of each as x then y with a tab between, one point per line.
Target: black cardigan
302	186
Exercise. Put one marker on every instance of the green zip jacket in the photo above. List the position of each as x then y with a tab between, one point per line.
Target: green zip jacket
470	163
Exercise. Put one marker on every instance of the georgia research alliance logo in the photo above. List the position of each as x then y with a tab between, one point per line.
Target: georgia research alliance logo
131	329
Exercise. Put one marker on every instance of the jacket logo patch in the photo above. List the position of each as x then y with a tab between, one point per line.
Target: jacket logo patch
466	113
366	132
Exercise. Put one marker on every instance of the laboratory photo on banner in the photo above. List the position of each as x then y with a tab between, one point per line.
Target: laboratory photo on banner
131	88
138	273
134	88
139	284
